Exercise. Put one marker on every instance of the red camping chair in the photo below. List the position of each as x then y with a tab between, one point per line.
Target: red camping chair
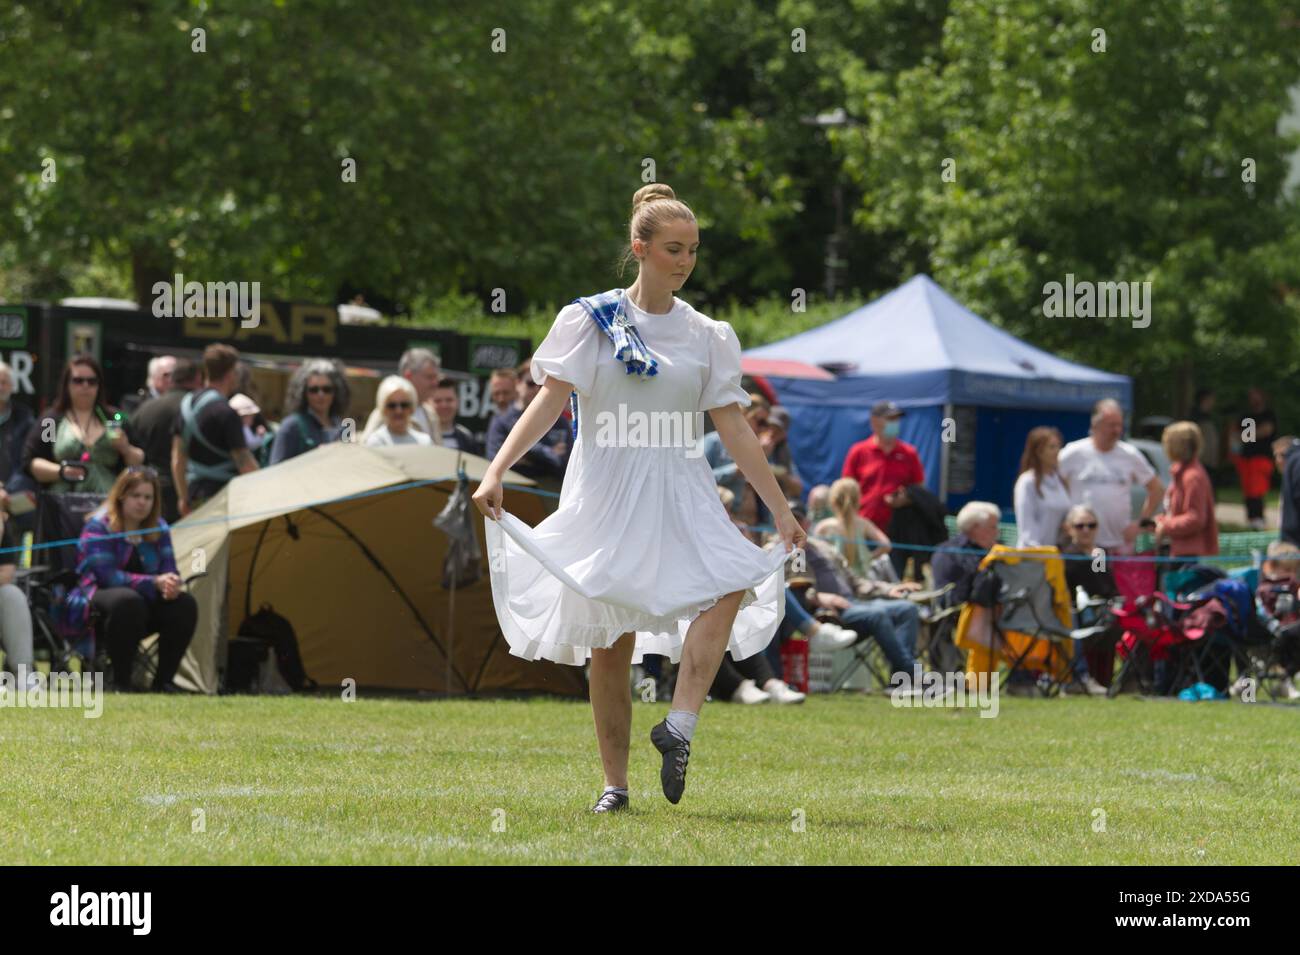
1152	633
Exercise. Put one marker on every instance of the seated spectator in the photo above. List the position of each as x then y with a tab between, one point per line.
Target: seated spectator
957	561
16	421
446	404
1041	497
81	431
773	441
314	406
848	531
395	401
15	615
822	636
1188	524
1093	575
548	457
819	503
751	680
869	608
1278	596
132	582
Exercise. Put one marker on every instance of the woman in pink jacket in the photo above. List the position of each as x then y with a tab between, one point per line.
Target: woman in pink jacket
1187	525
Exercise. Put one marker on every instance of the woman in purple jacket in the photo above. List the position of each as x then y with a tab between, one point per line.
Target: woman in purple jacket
127	575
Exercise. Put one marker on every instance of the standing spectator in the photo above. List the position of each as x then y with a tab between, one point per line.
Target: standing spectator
449	433
547	458
1286	455
154	423
257	435
848	531
423	370
208	446
884	466
16	421
158	382
1203	415
82	431
1188	523
1254	459
127	573
1099	471
395	401
1041	497
314	405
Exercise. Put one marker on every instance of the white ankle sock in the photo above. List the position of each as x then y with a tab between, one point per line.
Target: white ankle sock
681	723
622	790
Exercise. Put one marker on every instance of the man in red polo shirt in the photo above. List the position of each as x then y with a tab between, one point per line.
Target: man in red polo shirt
883	466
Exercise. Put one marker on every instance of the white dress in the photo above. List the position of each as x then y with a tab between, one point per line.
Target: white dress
641	541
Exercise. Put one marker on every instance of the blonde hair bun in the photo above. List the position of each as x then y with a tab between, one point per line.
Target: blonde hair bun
650	192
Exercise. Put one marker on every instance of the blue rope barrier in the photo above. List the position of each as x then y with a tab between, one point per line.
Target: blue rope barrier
932	548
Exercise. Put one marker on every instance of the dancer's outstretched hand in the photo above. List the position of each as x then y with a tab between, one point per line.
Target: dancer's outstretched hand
488	497
787	525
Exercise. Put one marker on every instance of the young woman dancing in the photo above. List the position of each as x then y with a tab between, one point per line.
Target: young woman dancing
641	556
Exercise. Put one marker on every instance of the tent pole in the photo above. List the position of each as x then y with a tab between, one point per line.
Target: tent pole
944	447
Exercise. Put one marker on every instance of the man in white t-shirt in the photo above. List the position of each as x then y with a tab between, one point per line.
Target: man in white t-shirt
1101	469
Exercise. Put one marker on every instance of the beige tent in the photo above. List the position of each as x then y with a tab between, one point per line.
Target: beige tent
341	541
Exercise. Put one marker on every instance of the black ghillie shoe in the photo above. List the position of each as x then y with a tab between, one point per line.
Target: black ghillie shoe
676	753
610	802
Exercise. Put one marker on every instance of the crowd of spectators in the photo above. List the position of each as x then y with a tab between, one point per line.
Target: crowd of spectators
876	534
116	481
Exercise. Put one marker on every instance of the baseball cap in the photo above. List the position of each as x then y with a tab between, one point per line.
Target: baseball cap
887	409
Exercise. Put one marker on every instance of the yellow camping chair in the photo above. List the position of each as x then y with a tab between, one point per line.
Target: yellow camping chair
1031	626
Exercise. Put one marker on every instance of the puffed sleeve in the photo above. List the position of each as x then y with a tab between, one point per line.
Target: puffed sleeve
570	350
723	385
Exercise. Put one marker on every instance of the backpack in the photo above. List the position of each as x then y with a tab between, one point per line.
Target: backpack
277	633
1237	601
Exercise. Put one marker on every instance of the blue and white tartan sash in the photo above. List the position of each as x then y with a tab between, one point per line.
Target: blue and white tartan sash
608	312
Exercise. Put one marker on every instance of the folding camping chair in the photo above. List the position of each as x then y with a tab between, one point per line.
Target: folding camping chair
1030	628
61	517
937	620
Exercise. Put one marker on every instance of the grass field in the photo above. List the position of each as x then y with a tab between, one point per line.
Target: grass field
317	780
